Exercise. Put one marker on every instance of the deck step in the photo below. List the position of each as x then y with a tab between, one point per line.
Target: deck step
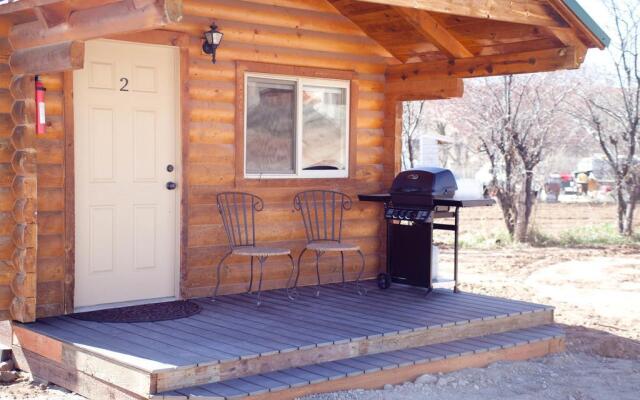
294	380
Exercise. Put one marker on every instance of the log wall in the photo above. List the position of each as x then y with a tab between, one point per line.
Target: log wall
305	33
302	33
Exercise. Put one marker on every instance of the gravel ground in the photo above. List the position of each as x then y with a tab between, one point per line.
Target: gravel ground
566	376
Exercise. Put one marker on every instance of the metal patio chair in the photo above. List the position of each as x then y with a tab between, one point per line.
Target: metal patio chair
238	212
322	214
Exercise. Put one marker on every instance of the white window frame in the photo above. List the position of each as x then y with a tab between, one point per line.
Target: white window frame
300	82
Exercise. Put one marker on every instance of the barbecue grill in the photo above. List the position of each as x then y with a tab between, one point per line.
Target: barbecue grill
417	198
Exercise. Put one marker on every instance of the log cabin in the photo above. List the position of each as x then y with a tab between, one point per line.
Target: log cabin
134	103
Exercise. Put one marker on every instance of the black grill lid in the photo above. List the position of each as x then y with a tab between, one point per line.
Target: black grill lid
426	181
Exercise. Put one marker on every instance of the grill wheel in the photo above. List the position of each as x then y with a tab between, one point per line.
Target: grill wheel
384	281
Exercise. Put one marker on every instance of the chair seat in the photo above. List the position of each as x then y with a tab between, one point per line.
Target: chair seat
332	246
258	251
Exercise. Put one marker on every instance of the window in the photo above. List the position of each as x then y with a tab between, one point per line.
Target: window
296	127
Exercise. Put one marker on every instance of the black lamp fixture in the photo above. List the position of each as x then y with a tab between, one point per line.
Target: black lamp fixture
212	39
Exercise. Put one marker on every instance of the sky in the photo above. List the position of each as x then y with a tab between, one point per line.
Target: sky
600	14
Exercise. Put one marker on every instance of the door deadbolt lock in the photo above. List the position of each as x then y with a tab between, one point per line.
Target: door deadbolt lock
170	168
171	185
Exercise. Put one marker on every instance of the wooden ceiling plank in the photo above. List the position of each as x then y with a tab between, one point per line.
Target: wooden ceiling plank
433	31
503	64
101	21
530	12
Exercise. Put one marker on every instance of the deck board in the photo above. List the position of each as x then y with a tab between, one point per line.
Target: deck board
234	328
319	373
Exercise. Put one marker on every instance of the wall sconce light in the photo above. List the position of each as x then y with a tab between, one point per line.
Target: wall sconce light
212	39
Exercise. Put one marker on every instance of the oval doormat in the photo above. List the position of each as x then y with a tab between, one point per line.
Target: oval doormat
143	313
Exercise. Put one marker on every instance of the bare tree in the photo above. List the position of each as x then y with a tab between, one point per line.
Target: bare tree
515	119
412	121
613	116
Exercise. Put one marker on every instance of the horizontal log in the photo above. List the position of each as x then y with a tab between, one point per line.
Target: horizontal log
23	309
518	63
50	199
22	87
23	112
50	269
23	137
24	162
25	236
5	74
25	211
48	58
50	246
24	260
405	90
25	186
269	14
109	19
24	285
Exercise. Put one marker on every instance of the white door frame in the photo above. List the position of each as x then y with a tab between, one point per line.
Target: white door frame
179	179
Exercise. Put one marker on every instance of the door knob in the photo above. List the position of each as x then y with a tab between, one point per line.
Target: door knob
171	185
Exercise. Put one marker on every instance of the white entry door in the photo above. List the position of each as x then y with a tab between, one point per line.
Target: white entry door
126	113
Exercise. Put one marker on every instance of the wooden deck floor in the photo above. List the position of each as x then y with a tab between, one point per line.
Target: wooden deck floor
233	338
233	328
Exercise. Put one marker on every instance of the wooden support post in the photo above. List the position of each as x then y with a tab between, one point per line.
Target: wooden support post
101	21
51	58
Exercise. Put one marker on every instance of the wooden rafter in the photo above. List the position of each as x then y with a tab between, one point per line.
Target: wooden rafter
518	63
52	15
104	20
529	12
433	31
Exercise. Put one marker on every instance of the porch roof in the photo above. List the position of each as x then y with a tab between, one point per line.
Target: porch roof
411	31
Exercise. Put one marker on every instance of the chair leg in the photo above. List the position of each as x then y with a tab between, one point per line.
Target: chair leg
295	284
292	292
342	263
251	278
361	290
318	255
215	292
261	261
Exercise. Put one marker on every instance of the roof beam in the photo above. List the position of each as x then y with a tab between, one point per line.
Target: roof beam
529	12
432	30
22	5
433	89
104	20
503	64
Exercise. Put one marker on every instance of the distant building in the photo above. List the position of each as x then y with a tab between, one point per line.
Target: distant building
432	147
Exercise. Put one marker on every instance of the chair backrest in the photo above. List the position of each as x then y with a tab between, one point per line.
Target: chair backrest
322	213
238	210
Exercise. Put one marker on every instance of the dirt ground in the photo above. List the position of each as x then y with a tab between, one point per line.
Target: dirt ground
596	292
